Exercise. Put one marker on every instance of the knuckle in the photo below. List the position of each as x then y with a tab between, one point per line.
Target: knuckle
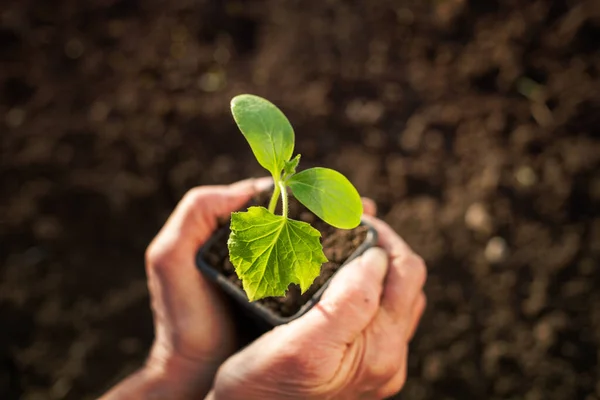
383	370
389	369
401	381
152	253
193	196
394	386
157	254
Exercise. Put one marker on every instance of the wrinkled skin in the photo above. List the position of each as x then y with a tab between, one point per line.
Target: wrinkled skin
352	345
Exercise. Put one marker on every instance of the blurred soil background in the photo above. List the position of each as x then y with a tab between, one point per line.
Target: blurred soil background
473	124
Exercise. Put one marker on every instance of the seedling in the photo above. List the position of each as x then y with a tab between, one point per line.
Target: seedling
268	251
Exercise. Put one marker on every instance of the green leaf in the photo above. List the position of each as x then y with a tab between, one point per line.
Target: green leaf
266	129
290	166
329	195
269	252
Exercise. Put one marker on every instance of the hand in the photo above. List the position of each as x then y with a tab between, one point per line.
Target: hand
352	345
193	330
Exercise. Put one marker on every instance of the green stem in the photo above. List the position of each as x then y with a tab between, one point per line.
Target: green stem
274	198
284	199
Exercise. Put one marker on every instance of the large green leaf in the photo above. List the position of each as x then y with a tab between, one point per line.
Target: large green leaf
329	195
269	252
266	129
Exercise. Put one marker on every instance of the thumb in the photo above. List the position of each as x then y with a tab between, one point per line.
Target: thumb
195	217
350	302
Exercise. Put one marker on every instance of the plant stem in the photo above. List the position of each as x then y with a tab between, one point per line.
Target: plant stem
274	198
284	199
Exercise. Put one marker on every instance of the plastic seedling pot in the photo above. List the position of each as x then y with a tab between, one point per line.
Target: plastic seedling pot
263	317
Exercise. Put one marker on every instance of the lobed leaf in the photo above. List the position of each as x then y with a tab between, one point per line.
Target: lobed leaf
269	252
266	129
329	195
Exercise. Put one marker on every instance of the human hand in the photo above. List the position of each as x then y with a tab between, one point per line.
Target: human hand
352	345
193	330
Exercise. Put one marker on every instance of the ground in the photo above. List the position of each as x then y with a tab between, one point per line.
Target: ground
474	125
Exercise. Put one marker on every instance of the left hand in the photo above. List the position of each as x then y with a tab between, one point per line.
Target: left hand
193	330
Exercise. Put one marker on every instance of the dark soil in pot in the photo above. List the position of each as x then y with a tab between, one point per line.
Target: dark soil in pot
338	246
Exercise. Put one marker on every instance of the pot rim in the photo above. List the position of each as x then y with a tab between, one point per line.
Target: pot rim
263	313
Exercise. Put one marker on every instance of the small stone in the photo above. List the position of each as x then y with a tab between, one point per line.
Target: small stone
15	117
433	366
364	112
478	219
496	122
434	140
47	227
544	333
212	81
447	11
74	49
375	139
526	176
127	99
536	300
99	111
410	139
405	16
542	114
222	55
496	250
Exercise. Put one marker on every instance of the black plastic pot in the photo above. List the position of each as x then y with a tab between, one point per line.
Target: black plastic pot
263	316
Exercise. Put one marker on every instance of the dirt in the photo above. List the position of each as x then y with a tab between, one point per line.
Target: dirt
473	124
338	246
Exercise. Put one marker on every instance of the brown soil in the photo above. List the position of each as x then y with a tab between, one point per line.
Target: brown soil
338	246
473	124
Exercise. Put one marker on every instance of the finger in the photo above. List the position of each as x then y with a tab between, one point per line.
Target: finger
404	283
196	216
388	239
418	310
369	206
405	279
351	300
236	195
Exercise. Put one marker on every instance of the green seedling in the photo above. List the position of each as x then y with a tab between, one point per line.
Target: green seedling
270	252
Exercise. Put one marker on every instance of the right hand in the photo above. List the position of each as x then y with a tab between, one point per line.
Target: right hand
352	345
